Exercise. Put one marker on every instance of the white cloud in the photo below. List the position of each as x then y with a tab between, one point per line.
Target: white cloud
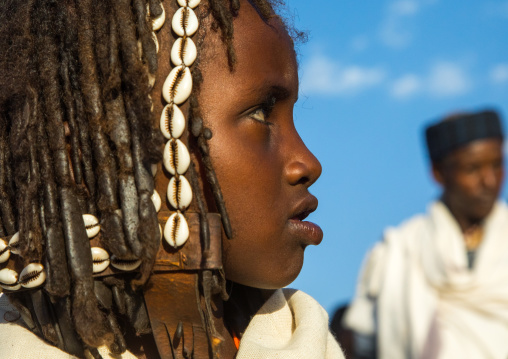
395	28
360	43
406	86
448	79
499	74
404	7
321	75
443	79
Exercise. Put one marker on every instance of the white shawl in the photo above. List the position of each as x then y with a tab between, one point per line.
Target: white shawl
291	324
417	293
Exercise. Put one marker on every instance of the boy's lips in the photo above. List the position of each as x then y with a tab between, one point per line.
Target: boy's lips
307	232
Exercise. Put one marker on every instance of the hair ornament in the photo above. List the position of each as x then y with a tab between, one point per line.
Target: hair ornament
14	243
100	258
33	275
185	22
125	264
178	85
179	193
176	230
5	251
156	199
176	90
172	122
9	279
159	20
190	3
184	52
176	157
92	225
154	38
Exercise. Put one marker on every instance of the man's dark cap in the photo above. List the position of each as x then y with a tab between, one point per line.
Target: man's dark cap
457	131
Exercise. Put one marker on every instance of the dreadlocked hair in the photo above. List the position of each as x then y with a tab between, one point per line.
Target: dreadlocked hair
77	136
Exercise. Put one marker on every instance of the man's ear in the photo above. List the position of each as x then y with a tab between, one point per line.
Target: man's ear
437	173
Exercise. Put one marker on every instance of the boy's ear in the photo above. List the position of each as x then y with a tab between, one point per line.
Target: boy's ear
437	173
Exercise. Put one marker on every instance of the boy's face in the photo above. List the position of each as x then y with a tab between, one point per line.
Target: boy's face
263	167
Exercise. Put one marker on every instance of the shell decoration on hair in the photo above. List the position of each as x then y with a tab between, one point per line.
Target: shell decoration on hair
101	259
176	90
32	276
176	160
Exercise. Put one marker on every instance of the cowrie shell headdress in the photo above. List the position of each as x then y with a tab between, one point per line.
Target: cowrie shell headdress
176	90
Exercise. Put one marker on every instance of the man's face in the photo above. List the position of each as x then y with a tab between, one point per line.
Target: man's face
472	177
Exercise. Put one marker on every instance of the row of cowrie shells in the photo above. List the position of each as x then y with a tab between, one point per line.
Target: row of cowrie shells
102	260
100	257
176	90
33	275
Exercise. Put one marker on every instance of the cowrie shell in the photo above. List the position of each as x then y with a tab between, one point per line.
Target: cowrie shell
9	279
185	22
178	85
176	158
172	123
5	251
159	20
151	83
190	3
176	230
183	52
92	225
100	259
125	264
156	199
179	193
33	275
153	169
14	243
154	38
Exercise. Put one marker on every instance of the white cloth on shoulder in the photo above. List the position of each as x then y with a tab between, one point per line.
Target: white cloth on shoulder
418	296
291	324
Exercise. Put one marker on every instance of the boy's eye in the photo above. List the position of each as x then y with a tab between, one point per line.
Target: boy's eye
259	115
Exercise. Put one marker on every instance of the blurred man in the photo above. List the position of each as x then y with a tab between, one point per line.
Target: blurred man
437	285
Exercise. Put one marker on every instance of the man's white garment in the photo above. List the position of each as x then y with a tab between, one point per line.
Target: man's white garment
291	325
417	294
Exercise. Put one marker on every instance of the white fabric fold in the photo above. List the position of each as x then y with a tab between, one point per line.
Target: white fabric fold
292	325
426	301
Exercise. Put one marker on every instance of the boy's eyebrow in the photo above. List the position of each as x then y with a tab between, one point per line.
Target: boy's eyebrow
280	92
272	91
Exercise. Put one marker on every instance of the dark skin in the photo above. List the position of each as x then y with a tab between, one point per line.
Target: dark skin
471	177
263	167
262	164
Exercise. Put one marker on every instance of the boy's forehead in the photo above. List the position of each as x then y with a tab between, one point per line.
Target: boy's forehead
250	33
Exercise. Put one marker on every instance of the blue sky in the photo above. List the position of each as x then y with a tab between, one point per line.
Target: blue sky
373	74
